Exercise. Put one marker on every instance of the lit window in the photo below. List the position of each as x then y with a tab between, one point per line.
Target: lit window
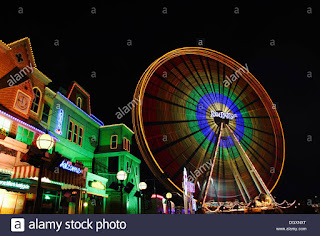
5	124
80	136
24	135
114	141
70	130
45	113
126	144
79	102
36	100
75	133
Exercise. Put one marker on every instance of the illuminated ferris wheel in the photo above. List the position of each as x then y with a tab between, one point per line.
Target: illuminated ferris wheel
202	110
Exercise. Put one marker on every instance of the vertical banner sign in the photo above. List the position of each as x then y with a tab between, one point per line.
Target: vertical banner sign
59	122
185	188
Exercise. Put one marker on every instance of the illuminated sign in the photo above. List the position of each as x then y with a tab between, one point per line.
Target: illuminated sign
223	115
67	165
97	185
190	187
185	181
11	184
59	122
156	196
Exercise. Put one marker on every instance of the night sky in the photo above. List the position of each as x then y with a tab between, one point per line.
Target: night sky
98	42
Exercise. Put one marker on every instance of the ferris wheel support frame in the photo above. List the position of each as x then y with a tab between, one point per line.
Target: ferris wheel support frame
252	170
242	187
213	164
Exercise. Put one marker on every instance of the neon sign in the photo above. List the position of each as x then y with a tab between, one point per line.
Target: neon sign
223	115
97	185
11	184
67	165
59	122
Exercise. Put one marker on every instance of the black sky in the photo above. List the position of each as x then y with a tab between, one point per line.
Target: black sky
98	43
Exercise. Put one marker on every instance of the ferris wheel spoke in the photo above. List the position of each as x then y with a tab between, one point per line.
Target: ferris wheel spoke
159	149
175	176
208	104
181	81
252	170
249	104
234	101
211	77
173	86
172	103
243	133
210	81
192	74
204	85
255	129
174	94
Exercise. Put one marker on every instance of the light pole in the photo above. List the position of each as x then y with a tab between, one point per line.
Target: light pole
121	176
44	142
169	196
142	186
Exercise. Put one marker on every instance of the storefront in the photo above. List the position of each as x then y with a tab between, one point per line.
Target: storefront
13	195
61	188
94	197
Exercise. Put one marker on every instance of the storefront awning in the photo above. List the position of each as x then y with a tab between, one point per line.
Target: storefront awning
62	176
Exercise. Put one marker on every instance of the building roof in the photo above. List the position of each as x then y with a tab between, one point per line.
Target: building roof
114	125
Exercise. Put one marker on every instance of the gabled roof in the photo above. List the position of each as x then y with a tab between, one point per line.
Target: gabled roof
71	88
25	42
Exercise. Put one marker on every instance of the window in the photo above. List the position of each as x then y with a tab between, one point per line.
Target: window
5	124
24	135
75	133
114	142
70	130
79	102
126	144
45	113
36	100
80	136
113	163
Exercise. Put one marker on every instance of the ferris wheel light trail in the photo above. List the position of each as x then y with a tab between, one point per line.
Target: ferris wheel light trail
187	117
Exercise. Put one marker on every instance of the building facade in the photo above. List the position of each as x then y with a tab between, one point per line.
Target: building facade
29	108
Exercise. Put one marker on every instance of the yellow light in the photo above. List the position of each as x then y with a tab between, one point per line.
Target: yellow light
142	186
169	195
121	175
45	141
98	185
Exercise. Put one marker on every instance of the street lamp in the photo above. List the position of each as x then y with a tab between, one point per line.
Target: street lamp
142	186
44	142
169	196
121	176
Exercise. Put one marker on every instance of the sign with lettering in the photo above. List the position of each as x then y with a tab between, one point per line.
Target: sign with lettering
11	184
67	165
59	122
97	185
223	115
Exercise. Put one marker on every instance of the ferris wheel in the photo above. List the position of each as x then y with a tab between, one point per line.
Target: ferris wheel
203	111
